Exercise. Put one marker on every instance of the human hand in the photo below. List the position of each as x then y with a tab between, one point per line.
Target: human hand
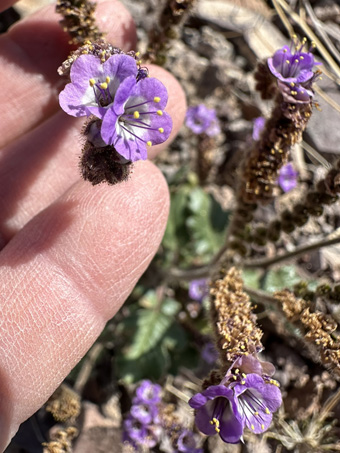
71	252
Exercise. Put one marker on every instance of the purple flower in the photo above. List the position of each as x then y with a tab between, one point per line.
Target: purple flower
138	434
148	393
258	127
215	413
136	118
250	363
287	178
256	400
201	119
209	353
291	67
198	289
94	84
187	442
144	413
241	400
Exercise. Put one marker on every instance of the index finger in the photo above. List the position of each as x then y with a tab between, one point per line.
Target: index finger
29	61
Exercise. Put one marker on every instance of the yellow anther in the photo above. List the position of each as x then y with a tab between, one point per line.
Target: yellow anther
284	50
136	114
108	79
296	60
244	375
217	429
149	143
243	382
85	52
103	85
252	427
262	426
139	62
235	378
242	346
211	422
161	130
256	413
302	57
137	54
267	410
159	112
287	61
92	82
237	371
292	84
156	99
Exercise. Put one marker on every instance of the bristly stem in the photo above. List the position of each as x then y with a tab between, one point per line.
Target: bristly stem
266	262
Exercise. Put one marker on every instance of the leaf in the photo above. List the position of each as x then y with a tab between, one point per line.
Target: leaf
151	365
284	277
206	222
251	278
151	324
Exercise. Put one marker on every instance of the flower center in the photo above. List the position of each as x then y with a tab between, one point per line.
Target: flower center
101	91
140	118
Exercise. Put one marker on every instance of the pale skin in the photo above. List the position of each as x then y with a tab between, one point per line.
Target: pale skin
71	252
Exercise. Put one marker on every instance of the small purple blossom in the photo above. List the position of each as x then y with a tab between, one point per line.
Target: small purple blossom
256	401
291	67
147	393
201	119
198	289
137	433
240	400
294	73
144	413
136	118
287	179
94	84
209	353
215	413
187	442
258	127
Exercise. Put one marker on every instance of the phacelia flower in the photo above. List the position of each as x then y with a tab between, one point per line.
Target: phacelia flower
94	84
209	353
144	413
148	393
256	401
137	433
187	442
258	127
201	119
287	179
241	400
198	289
136	118
291	67
215	413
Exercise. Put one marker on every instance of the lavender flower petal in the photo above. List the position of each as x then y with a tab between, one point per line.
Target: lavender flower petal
216	413
287	178
198	289
93	84
136	119
258	127
201	119
256	400
148	393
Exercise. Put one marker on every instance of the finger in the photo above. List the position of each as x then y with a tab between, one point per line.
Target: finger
6	4
64	275
29	62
